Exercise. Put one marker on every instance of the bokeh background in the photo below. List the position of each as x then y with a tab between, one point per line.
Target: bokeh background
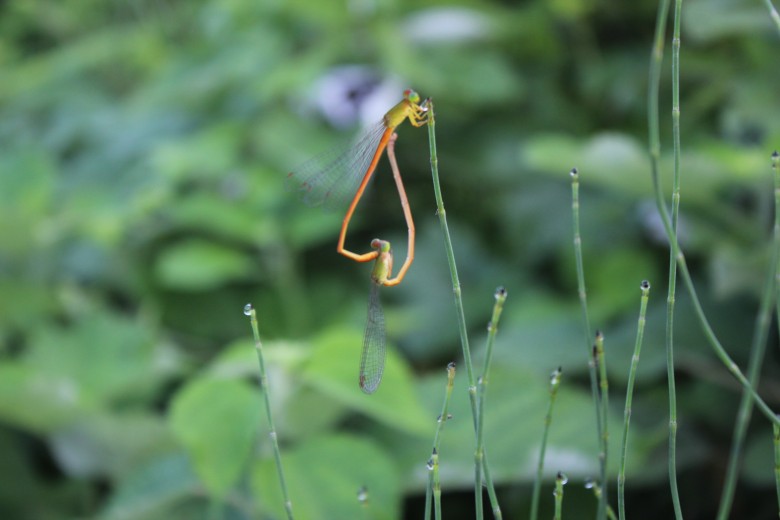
143	150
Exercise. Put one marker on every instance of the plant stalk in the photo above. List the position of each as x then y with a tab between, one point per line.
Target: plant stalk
575	211
443	417
249	310
757	351
555	382
640	331
456	289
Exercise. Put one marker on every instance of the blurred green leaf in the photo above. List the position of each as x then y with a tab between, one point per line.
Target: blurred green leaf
516	406
35	400
199	265
103	357
109	445
613	280
142	204
22	485
328	370
217	421
148	492
542	332
324	476
723	18
205	213
475	77
209	154
299	410
620	162
25	196
759	456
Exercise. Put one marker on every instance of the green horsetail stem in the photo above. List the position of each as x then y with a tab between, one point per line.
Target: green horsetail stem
249	310
456	290
640	331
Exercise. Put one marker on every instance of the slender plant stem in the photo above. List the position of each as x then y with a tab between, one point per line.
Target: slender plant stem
776	169
249	310
498	307
640	331
673	251
773	13
653	89
757	350
443	417
720	352
590	484
654	140
433	464
456	289
429	490
604	395
776	440
555	382
575	211
654	80
560	481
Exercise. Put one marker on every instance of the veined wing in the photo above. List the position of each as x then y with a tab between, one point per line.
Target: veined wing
372	359
331	179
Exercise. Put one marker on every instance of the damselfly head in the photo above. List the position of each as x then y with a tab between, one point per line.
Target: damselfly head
412	96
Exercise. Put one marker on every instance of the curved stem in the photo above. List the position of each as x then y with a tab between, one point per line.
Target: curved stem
555	382
718	349
640	331
575	211
601	362
757	350
249	310
479	454
773	13
433	481
673	252
456	289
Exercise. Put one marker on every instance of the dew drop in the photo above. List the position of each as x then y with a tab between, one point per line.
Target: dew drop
429	464
362	495
248	308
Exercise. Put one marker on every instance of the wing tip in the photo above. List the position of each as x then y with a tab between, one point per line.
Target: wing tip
369	387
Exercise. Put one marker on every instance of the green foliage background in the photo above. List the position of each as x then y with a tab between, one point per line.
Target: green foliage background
143	150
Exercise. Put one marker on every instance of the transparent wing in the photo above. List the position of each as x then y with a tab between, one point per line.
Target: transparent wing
372	359
331	179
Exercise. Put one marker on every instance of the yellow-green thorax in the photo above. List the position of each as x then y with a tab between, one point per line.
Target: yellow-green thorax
383	265
404	109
